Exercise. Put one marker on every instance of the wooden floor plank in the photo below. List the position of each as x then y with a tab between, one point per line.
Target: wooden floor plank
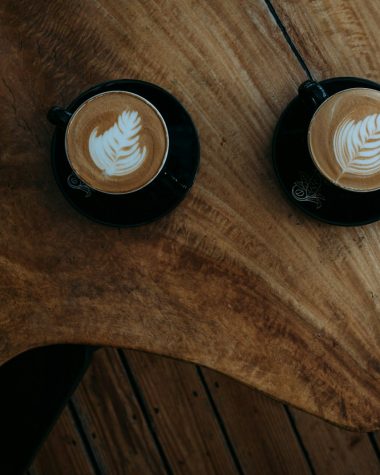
113	420
336	451
375	436
63	452
182	415
258	426
335	37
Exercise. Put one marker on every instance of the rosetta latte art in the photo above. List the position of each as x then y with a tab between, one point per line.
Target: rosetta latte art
357	146
117	151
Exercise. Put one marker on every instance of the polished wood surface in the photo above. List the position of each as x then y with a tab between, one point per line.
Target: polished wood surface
187	411
335	37
234	279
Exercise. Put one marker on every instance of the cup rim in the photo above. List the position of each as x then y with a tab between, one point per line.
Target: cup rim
81	106
355	190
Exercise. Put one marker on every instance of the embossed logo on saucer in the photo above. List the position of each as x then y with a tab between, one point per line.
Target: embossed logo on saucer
307	189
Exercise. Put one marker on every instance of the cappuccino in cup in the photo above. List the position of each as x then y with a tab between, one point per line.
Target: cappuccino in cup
344	139
117	142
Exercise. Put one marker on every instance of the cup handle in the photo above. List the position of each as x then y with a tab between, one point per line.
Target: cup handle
312	94
59	116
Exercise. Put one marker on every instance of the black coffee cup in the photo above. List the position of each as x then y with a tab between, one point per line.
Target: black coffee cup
154	199
300	178
342	135
61	117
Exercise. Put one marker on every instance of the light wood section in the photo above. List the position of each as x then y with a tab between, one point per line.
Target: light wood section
63	452
235	279
111	416
182	415
335	37
259	428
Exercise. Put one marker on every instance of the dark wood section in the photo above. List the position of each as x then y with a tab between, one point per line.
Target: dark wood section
64	452
183	418
136	413
333	450
124	443
258	426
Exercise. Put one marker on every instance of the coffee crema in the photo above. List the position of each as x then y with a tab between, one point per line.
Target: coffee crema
344	139
117	142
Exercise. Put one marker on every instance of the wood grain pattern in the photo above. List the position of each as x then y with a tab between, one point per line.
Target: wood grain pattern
333	450
113	420
336	37
259	428
183	418
234	279
63	452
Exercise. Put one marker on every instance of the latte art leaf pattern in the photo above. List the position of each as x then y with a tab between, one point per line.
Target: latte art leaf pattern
117	151
357	146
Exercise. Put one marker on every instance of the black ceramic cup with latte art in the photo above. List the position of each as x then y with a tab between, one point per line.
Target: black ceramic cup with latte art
326	150
344	135
124	152
116	142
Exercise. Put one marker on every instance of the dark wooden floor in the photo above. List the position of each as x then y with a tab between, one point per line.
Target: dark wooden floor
136	413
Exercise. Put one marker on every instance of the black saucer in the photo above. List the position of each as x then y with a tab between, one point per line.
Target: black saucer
157	198
300	179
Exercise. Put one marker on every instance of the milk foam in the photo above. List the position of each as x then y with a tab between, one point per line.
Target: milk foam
117	151
357	145
116	142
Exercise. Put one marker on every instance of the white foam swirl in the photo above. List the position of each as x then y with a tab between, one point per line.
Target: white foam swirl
357	145
117	151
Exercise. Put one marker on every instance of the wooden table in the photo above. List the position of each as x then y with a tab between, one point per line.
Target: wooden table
235	279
